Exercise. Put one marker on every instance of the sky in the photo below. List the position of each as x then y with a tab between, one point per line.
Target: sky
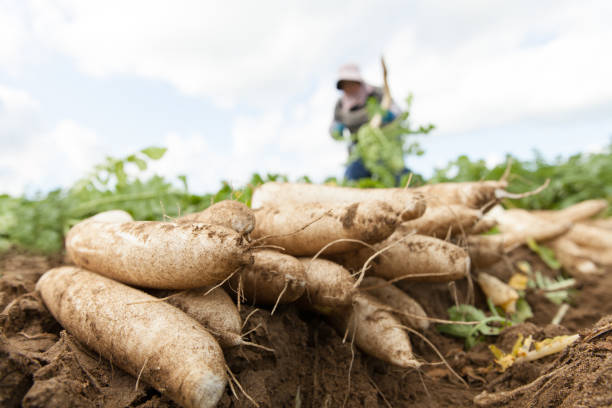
236	87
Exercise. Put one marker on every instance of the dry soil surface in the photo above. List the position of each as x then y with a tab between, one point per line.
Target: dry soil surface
41	365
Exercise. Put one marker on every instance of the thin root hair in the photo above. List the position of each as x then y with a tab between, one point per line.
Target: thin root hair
248	317
140	373
500	194
252	330
163	299
371	258
509	164
251	344
435	349
348	387
233	378
431	319
258	240
278	299
222	282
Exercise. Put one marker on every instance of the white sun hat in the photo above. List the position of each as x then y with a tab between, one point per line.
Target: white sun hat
348	72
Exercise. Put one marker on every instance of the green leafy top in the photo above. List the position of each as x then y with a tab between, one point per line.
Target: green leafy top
559	290
40	223
383	149
484	325
580	177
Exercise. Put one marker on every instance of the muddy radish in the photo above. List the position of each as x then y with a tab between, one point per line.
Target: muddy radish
213	309
406	308
329	286
440	221
272	278
408	203
229	213
304	229
415	258
376	331
158	255
148	339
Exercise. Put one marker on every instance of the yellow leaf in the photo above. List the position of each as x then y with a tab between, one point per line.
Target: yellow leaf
496	351
517	345
518	281
524	266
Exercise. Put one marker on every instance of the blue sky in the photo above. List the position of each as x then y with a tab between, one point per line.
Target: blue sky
236	87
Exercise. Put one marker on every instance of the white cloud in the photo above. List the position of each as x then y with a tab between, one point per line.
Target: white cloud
49	160
594	148
193	156
221	50
472	65
35	157
15	100
523	66
493	159
295	143
14	35
252	135
45	158
18	116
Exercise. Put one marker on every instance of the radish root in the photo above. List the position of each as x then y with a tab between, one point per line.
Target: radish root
387	403
504	176
435	349
485	399
280	295
248	317
499	194
251	344
415	316
348	388
234	379
140	373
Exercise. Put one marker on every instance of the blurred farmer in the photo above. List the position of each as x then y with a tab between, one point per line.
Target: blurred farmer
351	113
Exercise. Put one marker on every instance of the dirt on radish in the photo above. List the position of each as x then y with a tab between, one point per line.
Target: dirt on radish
43	366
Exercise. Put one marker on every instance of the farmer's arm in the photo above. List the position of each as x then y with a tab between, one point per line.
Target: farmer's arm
336	129
390	114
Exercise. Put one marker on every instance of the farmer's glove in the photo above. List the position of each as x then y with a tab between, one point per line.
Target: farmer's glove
388	117
337	130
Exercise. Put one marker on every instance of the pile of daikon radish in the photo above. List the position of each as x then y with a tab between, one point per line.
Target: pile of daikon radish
582	244
332	250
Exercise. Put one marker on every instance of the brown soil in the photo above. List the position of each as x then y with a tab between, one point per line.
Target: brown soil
43	366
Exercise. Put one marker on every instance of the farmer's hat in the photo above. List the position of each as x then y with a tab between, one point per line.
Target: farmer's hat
348	72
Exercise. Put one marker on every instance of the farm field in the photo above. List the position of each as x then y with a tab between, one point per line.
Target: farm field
43	365
305	343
